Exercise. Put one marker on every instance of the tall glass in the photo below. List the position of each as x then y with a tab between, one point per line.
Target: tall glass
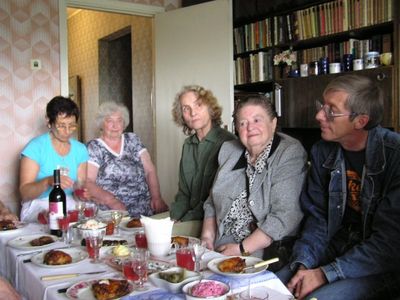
116	217
78	197
199	248
94	241
63	223
139	262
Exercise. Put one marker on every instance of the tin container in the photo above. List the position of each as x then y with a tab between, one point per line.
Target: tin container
347	62
323	65
334	68
371	60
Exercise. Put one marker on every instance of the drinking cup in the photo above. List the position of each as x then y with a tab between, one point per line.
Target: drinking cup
128	270
93	245
185	258
140	239
255	293
73	215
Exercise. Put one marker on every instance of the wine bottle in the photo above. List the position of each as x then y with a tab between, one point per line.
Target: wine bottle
57	205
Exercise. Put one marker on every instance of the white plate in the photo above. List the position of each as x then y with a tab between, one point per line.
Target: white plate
125	221
77	256
152	265
18	226
107	213
83	290
23	242
213	266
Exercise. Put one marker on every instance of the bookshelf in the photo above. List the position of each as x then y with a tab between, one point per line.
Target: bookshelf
313	29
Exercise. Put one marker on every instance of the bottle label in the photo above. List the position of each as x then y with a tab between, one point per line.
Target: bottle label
55	212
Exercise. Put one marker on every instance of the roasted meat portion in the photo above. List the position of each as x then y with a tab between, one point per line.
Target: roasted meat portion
232	265
134	223
7	225
57	257
180	241
108	289
43	240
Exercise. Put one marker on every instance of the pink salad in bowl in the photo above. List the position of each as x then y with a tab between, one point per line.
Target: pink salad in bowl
206	289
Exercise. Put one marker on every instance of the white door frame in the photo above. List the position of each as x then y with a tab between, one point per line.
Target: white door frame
113	6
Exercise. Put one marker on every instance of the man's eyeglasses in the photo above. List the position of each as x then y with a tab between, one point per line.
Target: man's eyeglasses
330	115
71	127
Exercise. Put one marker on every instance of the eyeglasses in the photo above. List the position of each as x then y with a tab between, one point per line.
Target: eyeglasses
71	127
330	115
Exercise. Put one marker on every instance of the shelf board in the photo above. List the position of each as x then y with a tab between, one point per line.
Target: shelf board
256	87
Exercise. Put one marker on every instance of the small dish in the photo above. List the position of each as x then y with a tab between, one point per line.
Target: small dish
187	290
188	276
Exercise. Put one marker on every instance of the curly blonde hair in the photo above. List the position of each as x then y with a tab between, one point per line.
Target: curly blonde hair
207	98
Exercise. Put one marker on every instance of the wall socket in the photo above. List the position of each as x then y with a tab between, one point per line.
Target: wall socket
36	64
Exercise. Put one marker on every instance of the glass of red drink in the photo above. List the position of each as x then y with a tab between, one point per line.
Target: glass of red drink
128	271
63	223
139	262
73	215
140	240
90	210
185	258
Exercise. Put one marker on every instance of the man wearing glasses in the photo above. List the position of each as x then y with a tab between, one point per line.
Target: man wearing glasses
349	247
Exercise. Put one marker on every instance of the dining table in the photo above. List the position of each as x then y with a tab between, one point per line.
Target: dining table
20	266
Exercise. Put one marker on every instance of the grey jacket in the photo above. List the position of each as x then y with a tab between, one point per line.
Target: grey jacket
274	197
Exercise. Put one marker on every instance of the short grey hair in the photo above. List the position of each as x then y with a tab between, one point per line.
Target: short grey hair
365	97
106	109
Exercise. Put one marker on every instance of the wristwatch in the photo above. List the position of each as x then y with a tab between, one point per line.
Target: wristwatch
242	251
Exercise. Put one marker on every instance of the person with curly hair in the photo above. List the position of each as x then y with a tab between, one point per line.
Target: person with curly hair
197	111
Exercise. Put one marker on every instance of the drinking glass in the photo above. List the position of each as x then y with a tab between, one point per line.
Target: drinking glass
185	257
78	197
116	217
199	248
63	223
94	241
140	239
128	271
90	209
139	261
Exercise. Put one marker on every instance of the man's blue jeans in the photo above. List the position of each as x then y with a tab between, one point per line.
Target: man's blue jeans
383	286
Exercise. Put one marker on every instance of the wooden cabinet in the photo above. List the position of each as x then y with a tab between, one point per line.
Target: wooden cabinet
299	96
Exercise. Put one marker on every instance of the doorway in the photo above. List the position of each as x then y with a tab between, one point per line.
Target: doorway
115	71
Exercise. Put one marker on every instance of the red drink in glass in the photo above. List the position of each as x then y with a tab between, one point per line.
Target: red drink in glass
110	228
185	258
93	245
73	215
140	239
128	271
63	223
79	192
88	212
42	217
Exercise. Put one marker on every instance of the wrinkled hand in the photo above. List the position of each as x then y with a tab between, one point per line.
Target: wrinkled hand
306	281
209	243
158	205
229	249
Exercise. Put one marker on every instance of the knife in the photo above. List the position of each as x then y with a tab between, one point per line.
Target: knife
261	264
64	276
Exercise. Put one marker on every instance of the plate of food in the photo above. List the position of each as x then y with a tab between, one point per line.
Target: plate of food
234	266
152	265
33	241
131	224
10	226
59	258
119	251
100	289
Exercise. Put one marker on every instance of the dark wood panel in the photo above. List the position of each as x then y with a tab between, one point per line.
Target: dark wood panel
299	95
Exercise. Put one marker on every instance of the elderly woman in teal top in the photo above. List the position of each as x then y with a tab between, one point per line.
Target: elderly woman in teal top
55	149
196	110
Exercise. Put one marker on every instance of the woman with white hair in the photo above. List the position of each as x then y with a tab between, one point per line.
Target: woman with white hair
121	166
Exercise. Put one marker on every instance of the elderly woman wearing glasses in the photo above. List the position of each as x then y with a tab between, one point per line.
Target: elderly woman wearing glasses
55	149
254	202
121	167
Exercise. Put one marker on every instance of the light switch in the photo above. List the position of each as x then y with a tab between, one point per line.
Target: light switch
36	64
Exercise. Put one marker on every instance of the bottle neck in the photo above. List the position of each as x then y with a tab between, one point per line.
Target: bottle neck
56	177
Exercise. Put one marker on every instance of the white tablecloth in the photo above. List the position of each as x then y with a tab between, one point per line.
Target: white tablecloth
25	276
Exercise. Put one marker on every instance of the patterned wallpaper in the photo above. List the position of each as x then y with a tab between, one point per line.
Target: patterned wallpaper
30	29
